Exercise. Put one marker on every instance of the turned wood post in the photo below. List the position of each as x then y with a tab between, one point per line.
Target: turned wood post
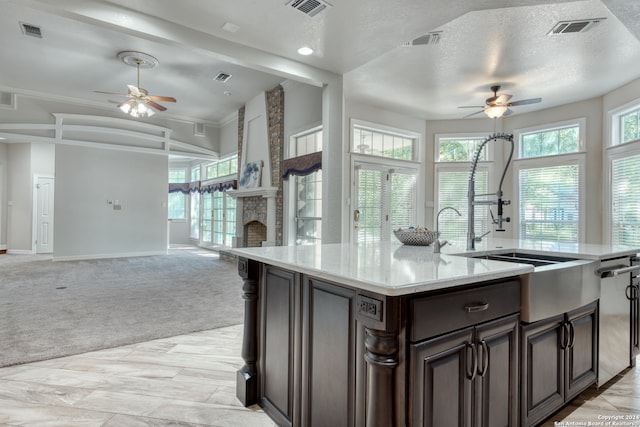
246	377
381	354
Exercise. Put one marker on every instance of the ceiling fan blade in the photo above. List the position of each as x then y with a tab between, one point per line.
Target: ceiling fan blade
111	93
156	106
472	114
128	101
524	102
508	112
162	98
471	106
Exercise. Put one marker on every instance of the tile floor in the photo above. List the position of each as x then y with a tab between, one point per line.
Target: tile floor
189	380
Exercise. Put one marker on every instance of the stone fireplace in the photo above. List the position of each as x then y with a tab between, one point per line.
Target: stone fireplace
260	140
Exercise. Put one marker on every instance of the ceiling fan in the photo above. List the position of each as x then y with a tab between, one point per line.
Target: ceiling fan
139	99
498	105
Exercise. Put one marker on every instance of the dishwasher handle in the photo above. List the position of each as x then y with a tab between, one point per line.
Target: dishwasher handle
616	270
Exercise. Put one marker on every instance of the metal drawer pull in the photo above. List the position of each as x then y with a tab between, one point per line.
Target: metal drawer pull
476	307
616	270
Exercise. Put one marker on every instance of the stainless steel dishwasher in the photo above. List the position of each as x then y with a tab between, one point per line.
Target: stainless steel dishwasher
615	316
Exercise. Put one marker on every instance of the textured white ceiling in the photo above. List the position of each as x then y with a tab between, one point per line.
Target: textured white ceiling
483	42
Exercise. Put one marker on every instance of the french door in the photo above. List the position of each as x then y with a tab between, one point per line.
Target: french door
385	199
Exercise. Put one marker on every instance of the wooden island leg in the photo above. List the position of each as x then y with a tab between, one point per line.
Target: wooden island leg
381	355
246	377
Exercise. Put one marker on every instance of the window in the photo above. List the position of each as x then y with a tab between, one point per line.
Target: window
625	200
550	142
629	126
306	143
177	210
454	154
308	208
378	141
305	194
549	203
223	167
623	161
550	193
194	221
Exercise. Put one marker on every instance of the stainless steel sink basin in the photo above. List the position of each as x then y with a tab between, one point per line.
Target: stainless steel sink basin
535	259
557	285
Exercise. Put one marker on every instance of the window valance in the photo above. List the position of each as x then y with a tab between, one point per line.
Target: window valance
197	187
302	165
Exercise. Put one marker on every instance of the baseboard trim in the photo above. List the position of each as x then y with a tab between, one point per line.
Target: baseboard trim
107	256
19	252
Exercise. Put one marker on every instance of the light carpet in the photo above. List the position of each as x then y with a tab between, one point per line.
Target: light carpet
56	308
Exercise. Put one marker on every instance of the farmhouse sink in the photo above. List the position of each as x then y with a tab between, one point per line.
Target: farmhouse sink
557	285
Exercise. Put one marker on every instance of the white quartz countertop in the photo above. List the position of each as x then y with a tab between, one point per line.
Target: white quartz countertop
390	268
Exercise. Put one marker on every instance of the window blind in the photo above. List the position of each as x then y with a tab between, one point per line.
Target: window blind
625	201
453	188
549	203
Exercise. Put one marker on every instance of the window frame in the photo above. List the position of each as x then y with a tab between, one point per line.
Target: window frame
186	171
487	165
616	150
580	122
384	129
578	159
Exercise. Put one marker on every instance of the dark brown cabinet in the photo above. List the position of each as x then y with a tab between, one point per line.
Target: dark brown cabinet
463	357
559	360
307	357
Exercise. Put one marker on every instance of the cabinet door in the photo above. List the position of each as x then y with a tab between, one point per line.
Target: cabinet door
328	355
496	385
440	381
278	295
542	388
582	350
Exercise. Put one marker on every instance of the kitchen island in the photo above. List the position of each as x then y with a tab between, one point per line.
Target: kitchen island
381	334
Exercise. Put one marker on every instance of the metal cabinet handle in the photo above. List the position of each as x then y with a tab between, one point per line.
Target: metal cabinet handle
485	359
572	329
628	292
616	270
476	307
565	336
474	358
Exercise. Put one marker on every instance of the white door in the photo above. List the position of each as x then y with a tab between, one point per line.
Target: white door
44	220
385	200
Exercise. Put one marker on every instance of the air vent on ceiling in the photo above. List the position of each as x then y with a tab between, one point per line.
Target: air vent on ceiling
222	77
309	7
198	129
7	100
432	38
580	26
31	30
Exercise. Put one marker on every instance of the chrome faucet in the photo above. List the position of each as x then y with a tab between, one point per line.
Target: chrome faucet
439	244
471	195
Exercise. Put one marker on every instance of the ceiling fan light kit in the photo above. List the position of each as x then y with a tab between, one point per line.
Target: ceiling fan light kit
140	103
497	106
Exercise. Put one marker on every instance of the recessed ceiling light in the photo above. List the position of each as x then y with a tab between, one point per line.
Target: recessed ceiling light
305	50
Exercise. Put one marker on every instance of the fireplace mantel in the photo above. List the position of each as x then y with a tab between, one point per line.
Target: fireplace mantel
251	192
268	193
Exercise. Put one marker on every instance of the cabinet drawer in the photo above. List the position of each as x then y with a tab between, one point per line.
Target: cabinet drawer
435	315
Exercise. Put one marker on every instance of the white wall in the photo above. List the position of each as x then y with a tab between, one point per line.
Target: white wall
87	226
229	137
3	195
19	199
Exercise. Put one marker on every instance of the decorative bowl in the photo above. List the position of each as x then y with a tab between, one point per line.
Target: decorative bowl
416	237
